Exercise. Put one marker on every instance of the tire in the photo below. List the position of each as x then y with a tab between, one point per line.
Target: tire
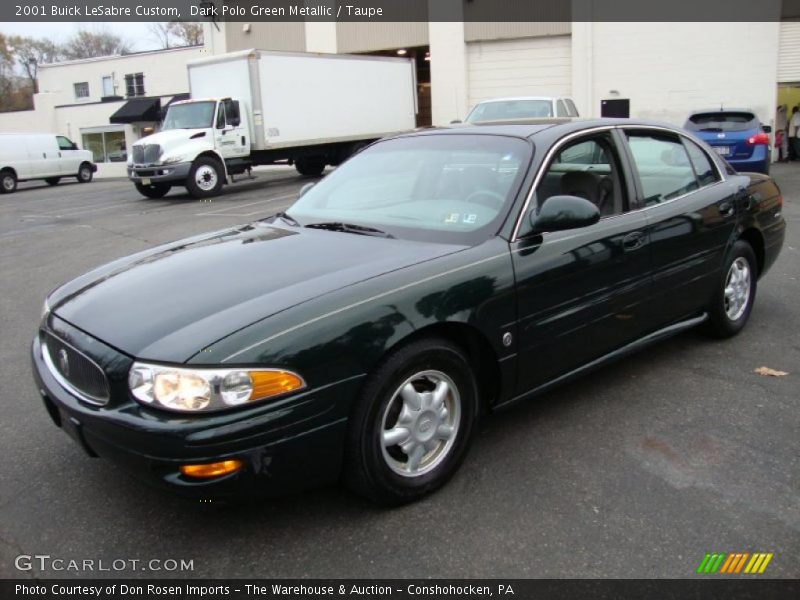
376	467
205	178
85	173
310	167
8	182
154	190
53	180
730	309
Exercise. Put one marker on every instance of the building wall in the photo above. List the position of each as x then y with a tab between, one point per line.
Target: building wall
287	36
498	30
368	37
535	66
669	69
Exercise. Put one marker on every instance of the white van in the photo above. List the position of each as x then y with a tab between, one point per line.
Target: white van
47	156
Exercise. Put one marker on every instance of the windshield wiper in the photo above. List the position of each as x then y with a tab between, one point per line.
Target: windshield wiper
288	218
350	228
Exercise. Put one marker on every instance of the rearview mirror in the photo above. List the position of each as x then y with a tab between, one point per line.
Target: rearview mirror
305	188
564	212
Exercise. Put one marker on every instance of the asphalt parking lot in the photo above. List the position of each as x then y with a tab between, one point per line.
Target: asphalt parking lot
636	471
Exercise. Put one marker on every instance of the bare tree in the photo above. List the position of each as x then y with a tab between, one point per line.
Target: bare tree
161	32
91	44
29	53
187	33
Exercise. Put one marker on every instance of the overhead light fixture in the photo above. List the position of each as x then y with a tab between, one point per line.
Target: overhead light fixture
402	52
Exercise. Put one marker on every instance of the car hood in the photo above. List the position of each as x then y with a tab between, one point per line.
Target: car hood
169	303
172	137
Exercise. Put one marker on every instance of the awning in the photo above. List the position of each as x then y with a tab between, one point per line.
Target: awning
138	109
175	98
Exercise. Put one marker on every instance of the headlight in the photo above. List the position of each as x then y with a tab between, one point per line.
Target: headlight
203	390
175	158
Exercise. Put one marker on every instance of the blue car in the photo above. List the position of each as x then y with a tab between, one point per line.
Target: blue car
736	134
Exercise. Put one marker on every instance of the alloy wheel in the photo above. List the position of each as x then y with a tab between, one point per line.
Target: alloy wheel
737	289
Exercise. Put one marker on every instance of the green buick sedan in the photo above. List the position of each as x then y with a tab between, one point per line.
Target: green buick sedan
430	279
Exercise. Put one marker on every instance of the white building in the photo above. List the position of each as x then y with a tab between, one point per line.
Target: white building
657	70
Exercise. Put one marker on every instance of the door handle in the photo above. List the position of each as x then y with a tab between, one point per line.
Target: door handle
633	241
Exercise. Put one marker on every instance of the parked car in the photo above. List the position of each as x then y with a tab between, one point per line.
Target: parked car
27	156
735	134
525	108
431	278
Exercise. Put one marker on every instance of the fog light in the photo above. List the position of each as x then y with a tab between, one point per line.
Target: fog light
216	469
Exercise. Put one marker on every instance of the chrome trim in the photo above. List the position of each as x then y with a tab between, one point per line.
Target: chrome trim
96	400
549	156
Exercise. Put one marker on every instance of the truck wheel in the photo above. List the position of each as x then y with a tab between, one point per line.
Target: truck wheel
53	180
310	167
8	182
154	190
205	178
85	173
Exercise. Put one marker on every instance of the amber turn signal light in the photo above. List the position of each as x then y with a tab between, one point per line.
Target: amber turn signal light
215	469
273	383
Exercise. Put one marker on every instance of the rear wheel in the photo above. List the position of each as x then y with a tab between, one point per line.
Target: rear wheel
736	292
310	166
154	190
53	180
85	173
205	178
8	181
413	423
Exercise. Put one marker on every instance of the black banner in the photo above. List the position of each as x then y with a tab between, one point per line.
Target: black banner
429	589
398	10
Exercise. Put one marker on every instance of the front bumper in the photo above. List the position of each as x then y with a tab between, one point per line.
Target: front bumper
146	175
284	446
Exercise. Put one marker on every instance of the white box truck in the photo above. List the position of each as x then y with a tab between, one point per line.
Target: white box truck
256	107
26	156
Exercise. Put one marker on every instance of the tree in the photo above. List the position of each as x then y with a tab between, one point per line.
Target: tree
91	44
29	53
186	32
162	33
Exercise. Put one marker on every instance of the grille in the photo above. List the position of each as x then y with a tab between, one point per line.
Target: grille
146	154
76	371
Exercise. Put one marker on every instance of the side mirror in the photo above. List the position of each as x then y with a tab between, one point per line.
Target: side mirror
767	128
455	121
305	188
559	213
74	146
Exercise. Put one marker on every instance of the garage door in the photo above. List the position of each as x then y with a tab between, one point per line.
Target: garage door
521	67
789	52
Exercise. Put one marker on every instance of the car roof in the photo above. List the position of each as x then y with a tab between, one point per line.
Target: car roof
529	130
721	110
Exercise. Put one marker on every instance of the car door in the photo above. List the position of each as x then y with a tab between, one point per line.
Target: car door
231	134
581	293
691	216
69	156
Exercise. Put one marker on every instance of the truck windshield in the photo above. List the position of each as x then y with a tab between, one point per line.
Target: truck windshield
439	188
193	115
501	110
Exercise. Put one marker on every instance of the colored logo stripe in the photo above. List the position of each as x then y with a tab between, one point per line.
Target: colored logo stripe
734	563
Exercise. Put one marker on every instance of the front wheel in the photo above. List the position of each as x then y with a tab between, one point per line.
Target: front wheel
85	173
8	182
205	178
413	423
736	292
154	190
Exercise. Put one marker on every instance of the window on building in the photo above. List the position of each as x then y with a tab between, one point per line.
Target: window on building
134	84
108	85
106	146
81	89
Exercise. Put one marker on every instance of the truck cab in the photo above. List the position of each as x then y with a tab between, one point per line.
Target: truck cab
200	144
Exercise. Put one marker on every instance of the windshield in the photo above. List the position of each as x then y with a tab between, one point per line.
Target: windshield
510	110
439	188
194	115
722	121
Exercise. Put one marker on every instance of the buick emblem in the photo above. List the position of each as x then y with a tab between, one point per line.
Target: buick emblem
63	362
721	136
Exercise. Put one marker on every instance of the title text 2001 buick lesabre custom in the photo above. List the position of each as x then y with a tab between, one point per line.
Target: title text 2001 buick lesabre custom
431	277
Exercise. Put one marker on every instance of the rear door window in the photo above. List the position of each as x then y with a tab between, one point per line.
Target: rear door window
573	111
561	109
663	165
705	171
